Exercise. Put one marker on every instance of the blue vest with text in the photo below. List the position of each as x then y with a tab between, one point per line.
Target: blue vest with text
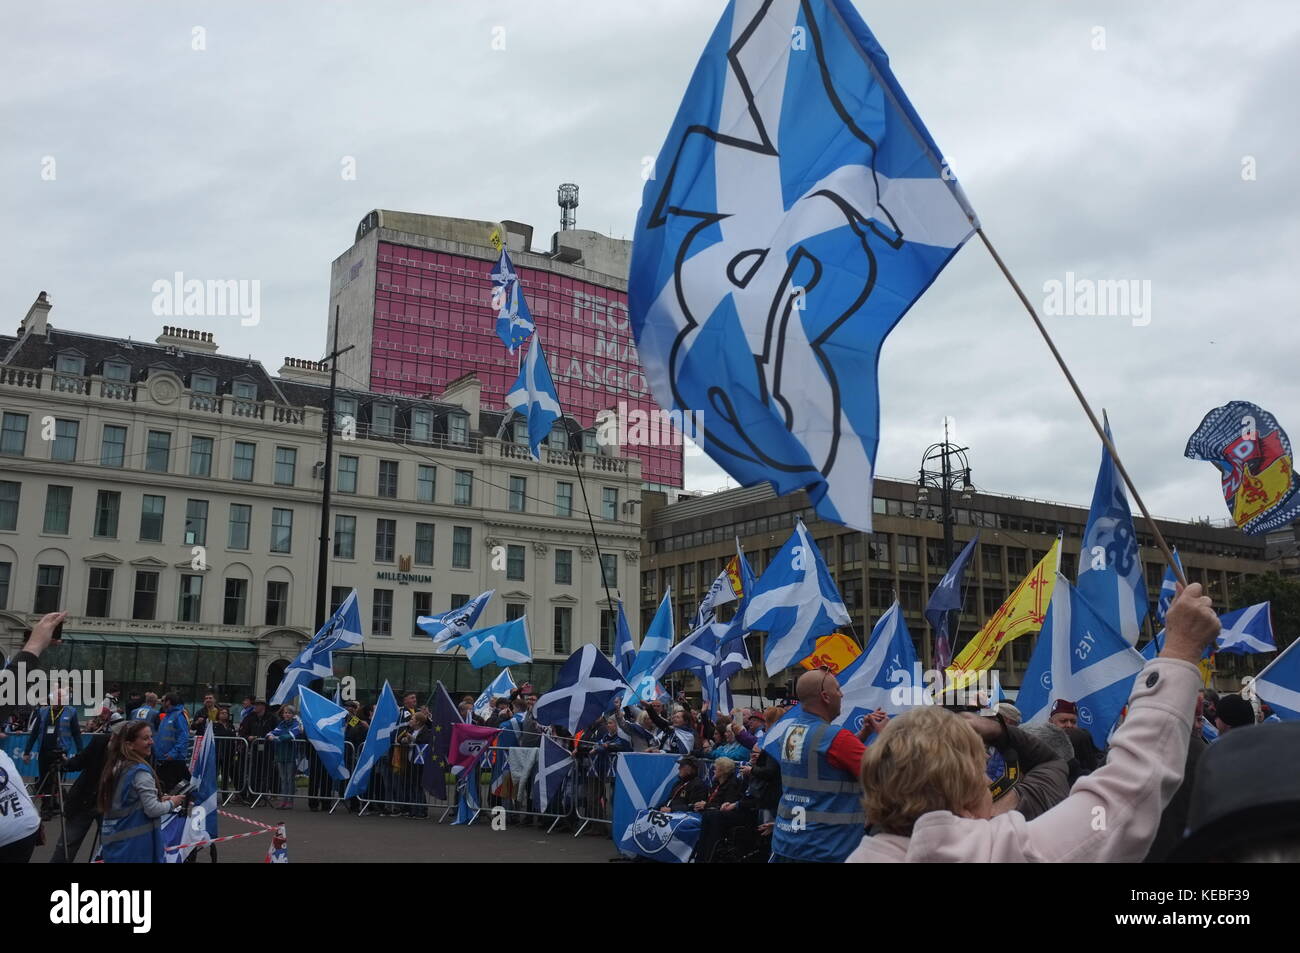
129	835
831	820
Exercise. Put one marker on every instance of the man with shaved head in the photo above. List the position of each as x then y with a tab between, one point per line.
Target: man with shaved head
820	817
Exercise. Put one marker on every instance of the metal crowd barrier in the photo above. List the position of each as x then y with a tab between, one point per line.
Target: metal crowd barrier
232	767
594	803
271	769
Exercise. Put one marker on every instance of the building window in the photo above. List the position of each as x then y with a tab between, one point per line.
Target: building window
99	594
424	544
461	538
381	616
151	518
347	474
878	551
203	383
58	508
908	552
337	596
107	506
242	466
518	493
112	449
608	629
277	603
243	390
345	410
201	456
464	495
991	560
191	599
564	567
281	530
457	601
382	419
1017	566
145	604
196	522
286	460
241	524
880	592
609	570
558	438
158	451
388	479
6	570
13	434
850	551
609	503
422	425
10	493
385	540
65	440
850	587
426	483
563	630
235	609
458	429
515	563
421	605
49	589
515	610
993	599
345	537
564	499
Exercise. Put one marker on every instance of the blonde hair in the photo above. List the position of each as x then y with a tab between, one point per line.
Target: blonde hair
724	766
927	759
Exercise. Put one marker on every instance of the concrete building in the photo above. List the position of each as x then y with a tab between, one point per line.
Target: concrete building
167	496
413	298
688	541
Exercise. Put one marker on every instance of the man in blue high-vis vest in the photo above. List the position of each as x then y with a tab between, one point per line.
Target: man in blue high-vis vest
55	733
171	749
820	818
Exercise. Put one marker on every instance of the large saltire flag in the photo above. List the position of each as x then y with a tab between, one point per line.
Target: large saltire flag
1256	465
1080	658
1023	612
499	687
534	395
1247	631
341	630
641	785
870	679
797	210
1111	575
1279	684
505	644
585	688
322	723
795	601
514	320
181	832
379	738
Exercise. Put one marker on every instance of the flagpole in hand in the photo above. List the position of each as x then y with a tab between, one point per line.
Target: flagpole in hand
1087	409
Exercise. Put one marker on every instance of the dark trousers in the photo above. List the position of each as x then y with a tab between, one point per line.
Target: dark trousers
75	829
20	851
47	792
172	773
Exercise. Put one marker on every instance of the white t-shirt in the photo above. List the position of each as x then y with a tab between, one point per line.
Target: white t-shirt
18	816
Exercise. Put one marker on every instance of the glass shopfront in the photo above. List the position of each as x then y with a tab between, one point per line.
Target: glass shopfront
147	663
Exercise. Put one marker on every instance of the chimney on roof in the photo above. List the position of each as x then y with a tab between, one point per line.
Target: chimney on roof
187	339
305	371
37	316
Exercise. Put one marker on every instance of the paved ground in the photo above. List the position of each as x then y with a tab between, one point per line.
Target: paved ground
343	838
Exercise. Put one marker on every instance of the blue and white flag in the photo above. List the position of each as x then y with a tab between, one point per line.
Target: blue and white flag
553	765
1278	685
733	657
514	320
322	723
585	688
534	395
1079	657
505	644
454	622
641	783
1168	588
697	653
201	822
946	600
655	644
499	687
719	594
379	738
869	681
798	209
794	602
1247	631
512	732
342	630
624	648
1111	577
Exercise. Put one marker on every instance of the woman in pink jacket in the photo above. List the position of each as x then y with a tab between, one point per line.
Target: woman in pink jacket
927	796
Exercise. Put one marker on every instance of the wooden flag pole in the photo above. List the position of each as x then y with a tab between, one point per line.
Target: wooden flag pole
1096	424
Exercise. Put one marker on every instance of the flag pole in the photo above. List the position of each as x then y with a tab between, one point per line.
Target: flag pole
1087	409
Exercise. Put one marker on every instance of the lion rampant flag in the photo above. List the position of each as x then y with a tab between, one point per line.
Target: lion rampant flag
1023	612
835	651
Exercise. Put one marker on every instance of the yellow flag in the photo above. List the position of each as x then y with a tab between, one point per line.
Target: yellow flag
495	239
1023	612
835	651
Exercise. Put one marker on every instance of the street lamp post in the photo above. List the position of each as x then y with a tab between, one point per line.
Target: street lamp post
944	466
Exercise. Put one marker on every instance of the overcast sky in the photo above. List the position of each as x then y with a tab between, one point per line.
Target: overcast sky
1117	163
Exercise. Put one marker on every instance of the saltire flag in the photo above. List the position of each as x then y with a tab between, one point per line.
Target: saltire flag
641	783
444	716
733	657
379	738
1099	682
695	653
1111	575
1247	631
342	630
1278	685
454	622
656	642
534	395
945	602
624	648
514	320
1256	465
800	207
499	687
512	732
1168	588
500	785
1023	612
870	679
468	745
794	602
322	723
553	765
200	824
505	644
585	688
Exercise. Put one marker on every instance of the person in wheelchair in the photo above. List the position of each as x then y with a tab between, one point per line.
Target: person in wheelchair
732	828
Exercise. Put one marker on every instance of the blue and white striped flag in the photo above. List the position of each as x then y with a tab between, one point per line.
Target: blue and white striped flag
697	653
534	395
1279	684
500	687
795	602
1247	631
553	765
454	622
514	320
379	738
342	630
868	682
505	644
322	723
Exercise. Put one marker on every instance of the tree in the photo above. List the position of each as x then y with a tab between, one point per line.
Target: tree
1283	594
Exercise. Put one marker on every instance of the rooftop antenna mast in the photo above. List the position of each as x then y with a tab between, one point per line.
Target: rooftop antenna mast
568	200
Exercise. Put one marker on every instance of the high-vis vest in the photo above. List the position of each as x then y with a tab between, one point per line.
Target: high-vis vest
172	742
129	835
820	817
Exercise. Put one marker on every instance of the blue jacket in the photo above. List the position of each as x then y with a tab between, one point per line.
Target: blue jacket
735	751
173	740
129	835
145	713
67	726
284	734
820	817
